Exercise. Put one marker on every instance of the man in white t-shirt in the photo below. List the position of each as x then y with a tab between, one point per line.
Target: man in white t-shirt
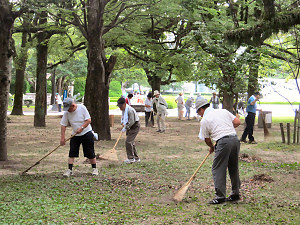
219	125
58	102
79	118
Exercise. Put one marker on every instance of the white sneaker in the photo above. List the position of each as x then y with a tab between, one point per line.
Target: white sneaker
68	173
95	172
137	160
129	161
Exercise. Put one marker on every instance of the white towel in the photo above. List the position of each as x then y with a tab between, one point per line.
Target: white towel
201	136
125	116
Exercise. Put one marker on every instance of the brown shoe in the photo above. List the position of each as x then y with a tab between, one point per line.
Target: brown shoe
244	141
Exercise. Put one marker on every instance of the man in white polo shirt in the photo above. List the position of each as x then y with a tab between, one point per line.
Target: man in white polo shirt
218	125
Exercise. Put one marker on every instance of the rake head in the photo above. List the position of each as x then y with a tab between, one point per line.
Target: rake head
179	195
110	155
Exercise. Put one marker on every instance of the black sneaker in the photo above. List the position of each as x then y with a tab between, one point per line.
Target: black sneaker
243	140
252	142
233	198
216	201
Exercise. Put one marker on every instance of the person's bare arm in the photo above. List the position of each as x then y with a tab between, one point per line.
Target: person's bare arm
63	135
210	145
84	125
236	122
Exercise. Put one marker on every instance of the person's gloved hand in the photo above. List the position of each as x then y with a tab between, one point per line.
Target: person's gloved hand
123	130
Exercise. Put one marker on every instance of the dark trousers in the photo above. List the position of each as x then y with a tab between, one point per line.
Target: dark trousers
130	141
147	116
226	156
250	120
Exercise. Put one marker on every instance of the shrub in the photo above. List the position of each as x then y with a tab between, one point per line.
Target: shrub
171	101
113	99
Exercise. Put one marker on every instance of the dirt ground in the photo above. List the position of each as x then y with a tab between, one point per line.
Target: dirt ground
27	144
269	174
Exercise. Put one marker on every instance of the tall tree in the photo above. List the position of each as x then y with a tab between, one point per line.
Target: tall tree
40	109
226	62
95	19
20	61
7	18
159	45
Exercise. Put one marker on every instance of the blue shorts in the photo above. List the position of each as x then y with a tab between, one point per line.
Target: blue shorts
87	141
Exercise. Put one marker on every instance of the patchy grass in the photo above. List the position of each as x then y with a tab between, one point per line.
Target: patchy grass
280	103
142	193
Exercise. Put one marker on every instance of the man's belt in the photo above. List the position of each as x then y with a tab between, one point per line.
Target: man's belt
227	136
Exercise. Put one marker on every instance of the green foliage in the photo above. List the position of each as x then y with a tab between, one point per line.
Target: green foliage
130	76
49	86
115	89
79	85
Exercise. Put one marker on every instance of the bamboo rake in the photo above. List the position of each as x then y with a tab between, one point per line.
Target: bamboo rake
45	156
179	195
112	153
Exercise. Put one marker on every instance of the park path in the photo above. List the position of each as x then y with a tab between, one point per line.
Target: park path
277	111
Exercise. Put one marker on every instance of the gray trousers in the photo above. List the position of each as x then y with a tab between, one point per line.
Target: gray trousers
130	141
226	156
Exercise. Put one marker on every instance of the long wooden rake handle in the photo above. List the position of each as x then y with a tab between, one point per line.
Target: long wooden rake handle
194	174
118	139
45	156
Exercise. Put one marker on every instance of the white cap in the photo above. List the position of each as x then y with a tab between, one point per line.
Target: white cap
156	92
201	102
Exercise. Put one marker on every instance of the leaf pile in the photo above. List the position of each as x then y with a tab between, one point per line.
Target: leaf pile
247	158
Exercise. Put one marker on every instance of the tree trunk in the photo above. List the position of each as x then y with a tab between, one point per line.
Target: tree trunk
123	85
154	81
228	98
97	90
58	86
99	71
253	74
6	25
53	88
269	9
20	64
226	84
41	81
